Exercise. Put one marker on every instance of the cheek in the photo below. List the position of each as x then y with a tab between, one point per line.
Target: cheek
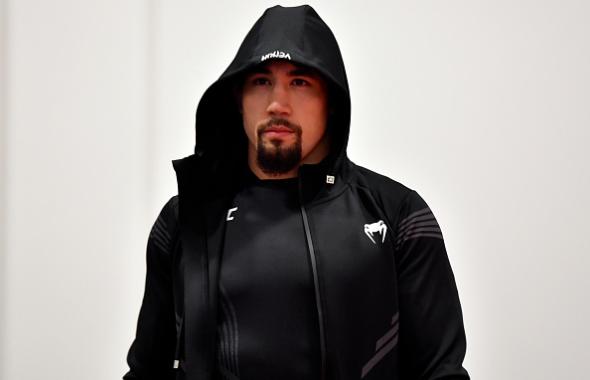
315	107
316	119
249	128
250	118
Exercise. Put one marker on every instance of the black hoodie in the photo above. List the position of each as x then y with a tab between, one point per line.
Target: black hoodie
385	294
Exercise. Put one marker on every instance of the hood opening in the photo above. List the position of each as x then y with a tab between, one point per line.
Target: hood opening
294	33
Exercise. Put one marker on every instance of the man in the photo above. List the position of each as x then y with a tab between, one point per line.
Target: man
280	258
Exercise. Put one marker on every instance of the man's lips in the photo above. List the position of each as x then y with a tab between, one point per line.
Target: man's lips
278	130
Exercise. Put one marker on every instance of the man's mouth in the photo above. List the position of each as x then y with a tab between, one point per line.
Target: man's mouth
277	130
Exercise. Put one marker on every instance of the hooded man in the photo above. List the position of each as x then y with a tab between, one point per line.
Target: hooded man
280	258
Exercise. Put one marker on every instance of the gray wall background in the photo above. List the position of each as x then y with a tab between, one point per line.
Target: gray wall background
481	106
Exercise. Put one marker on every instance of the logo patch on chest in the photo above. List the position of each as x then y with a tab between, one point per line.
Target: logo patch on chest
373	230
230	213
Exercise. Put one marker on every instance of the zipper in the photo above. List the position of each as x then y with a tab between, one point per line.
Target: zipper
318	300
179	337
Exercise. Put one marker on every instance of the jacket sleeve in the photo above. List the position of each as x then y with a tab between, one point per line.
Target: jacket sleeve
432	337
151	354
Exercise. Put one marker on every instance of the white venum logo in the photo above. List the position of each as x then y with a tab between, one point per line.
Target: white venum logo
275	54
376	228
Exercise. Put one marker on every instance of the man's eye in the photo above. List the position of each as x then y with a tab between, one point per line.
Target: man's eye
300	82
259	81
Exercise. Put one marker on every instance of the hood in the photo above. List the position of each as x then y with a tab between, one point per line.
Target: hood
294	33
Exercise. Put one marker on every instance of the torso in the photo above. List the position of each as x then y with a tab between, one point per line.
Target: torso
268	322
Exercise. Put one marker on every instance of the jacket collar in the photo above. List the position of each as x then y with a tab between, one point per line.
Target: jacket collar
212	179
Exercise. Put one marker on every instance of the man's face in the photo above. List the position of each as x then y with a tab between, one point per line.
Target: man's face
285	110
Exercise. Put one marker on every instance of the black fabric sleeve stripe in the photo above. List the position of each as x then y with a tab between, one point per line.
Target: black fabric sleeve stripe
414	215
419	223
428	218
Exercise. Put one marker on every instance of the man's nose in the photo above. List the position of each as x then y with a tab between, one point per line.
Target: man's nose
279	100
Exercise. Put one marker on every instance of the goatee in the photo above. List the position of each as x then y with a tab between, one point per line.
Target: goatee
276	156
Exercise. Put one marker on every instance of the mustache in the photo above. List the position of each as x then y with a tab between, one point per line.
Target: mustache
279	121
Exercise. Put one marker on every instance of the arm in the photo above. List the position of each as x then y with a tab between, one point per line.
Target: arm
152	352
432	336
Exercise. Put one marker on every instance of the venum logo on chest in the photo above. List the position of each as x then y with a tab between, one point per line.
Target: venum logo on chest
376	230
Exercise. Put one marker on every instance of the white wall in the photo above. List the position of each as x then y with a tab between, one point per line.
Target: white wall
482	107
3	221
76	185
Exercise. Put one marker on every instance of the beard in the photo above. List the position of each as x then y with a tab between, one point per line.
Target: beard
277	156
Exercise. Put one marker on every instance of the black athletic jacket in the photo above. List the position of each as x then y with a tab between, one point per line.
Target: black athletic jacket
386	299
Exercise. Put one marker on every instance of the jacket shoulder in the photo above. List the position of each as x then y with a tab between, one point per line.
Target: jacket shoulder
379	183
394	198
